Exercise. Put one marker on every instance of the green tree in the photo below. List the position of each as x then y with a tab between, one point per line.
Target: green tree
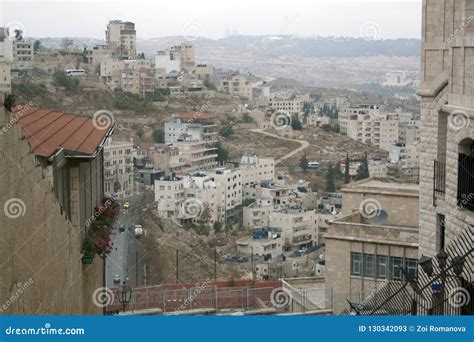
217	226
37	45
296	123
347	177
140	132
159	136
61	79
222	153
209	85
226	130
246	118
330	186
363	169
304	162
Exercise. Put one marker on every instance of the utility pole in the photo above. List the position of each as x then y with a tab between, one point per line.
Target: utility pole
136	267
253	268
177	266
215	264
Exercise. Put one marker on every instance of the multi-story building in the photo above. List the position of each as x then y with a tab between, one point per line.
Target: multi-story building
296	225
256	169
447	132
177	58
6	60
257	213
118	166
61	157
375	234
122	38
293	105
353	112
408	158
194	134
263	242
237	85
23	55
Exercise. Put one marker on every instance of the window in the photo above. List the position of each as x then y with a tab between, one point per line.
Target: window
369	265
356	263
382	262
411	267
396	264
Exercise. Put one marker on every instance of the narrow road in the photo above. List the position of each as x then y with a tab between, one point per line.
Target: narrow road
303	144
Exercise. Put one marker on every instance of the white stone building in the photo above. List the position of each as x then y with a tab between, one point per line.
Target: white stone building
122	38
118	168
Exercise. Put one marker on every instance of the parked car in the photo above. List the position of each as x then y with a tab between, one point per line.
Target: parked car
122	228
138	230
116	278
126	205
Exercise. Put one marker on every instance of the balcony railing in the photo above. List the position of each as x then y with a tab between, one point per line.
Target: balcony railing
439	180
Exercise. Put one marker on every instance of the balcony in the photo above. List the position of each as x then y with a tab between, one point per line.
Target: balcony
439	180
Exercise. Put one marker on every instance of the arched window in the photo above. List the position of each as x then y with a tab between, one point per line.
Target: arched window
466	174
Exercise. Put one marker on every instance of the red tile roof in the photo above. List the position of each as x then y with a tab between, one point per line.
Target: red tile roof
195	116
47	131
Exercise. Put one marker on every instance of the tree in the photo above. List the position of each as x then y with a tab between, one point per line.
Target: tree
226	130
140	132
209	85
61	79
37	45
363	169
222	153
347	177
304	162
159	136
217	226
330	186
246	118
296	123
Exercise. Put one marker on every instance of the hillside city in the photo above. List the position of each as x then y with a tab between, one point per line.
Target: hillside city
139	180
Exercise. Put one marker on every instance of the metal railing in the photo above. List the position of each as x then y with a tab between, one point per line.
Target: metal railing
439	180
447	290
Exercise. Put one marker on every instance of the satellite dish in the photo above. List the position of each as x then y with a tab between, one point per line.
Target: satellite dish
379	220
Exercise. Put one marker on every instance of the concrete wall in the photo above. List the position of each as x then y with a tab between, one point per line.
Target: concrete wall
41	247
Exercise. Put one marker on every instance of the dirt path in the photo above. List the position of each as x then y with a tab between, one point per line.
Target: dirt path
303	144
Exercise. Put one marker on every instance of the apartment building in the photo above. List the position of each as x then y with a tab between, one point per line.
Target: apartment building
257	213
167	158
381	130
177	58
236	85
118	168
296	225
61	156
184	198
138	80
354	112
293	105
263	242
194	135
375	234
6	61
407	156
23	55
256	169
122	38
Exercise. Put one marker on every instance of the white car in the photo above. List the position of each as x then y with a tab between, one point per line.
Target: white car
138	230
116	278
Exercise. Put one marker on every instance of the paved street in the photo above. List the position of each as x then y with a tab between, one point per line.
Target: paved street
127	249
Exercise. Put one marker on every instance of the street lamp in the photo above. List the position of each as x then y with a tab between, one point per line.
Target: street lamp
124	293
458	265
426	264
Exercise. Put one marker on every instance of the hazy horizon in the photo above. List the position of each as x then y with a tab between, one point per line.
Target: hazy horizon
209	19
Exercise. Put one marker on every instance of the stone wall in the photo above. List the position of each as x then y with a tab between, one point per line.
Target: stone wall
41	272
447	90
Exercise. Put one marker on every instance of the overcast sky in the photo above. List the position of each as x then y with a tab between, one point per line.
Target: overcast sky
217	18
